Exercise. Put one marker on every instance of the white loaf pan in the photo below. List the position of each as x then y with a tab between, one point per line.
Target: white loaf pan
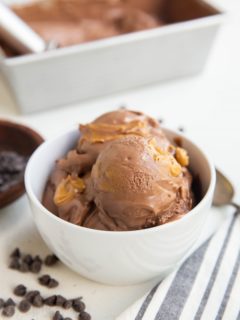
102	67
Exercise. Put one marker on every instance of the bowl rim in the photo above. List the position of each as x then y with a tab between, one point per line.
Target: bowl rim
172	224
18	189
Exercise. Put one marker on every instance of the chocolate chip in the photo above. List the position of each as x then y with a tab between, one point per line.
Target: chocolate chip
28	259
67	318
1	303
24	267
44	280
160	120
37	301
24	306
51	260
20	290
50	301
60	300
181	129
53	283
36	265
14	264
67	304
31	295
9	302
16	253
84	316
8	311
78	305
57	316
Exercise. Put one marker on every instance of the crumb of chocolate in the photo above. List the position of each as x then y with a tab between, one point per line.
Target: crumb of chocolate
60	300
31	295
44	280
50	301
67	304
51	260
28	259
53	283
16	253
24	267
8	311
84	316
20	290
9	302
37	301
57	316
78	305
181	129
36	265
160	120
1	303
24	305
14	264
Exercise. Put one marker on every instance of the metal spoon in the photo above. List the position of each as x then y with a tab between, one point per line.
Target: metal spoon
19	35
224	192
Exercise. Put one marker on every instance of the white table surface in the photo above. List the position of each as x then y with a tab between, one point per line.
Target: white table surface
207	105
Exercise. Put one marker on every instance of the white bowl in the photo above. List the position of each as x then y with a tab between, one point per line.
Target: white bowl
111	257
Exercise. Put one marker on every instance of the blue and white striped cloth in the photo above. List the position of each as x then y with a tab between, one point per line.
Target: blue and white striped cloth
206	286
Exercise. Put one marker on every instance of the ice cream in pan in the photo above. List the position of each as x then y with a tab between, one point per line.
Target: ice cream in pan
124	174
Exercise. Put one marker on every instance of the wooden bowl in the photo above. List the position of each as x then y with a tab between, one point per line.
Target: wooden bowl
23	140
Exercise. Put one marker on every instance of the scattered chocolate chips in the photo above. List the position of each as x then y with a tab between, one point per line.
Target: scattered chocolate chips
16	253
78	305
20	290
24	267
57	316
36	265
44	280
37	301
14	264
50	301
31	295
84	316
8	311
60	300
47	281
1	303
24	305
25	263
9	302
67	304
28	259
51	260
53	283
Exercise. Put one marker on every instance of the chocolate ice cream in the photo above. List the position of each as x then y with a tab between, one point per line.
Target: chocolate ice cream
77	21
123	175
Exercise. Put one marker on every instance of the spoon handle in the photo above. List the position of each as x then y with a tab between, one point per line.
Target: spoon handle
235	205
18	34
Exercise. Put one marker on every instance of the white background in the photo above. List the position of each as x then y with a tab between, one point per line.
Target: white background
207	106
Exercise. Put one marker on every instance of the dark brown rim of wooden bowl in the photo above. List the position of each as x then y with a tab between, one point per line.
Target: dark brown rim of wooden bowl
17	190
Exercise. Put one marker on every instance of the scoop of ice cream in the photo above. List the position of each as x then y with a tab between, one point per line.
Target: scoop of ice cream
123	175
117	124
138	185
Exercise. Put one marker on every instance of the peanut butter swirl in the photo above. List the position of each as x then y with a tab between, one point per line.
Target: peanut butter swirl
124	174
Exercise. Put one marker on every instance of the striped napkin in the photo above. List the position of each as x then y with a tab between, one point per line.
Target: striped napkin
206	285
